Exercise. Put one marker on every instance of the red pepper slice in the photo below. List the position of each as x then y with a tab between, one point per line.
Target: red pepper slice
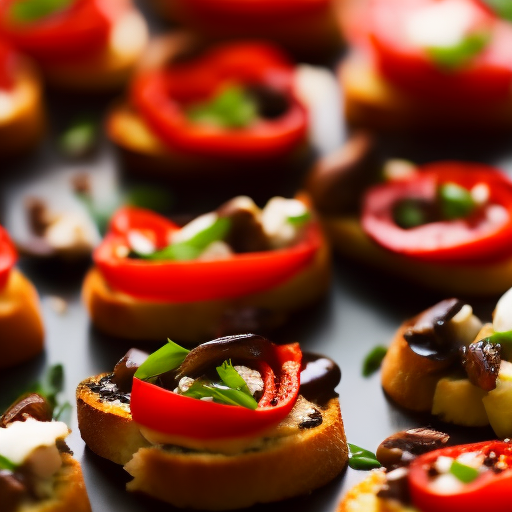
8	256
489	491
167	412
80	30
185	281
481	238
161	96
488	77
7	66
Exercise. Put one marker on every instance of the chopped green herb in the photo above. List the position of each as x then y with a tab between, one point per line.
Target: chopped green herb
505	340
6	464
373	360
26	11
153	198
455	201
232	378
410	213
192	248
80	138
167	358
298	220
503	8
221	394
232	107
454	57
362	459
465	474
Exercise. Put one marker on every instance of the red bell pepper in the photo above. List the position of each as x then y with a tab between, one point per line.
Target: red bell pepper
489	491
170	413
186	281
161	97
8	256
77	31
486	77
478	238
7	65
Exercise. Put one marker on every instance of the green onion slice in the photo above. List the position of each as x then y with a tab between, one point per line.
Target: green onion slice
165	359
410	213
455	201
80	138
503	8
505	340
373	360
362	459
221	394
7	464
465	474
299	220
26	11
232	378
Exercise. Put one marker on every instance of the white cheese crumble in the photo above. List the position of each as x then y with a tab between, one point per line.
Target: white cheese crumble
502	320
140	243
194	227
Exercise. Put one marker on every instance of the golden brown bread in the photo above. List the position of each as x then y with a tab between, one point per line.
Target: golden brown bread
122	315
372	102
21	325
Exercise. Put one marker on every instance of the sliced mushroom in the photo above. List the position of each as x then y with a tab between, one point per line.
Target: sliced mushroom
319	377
482	361
31	406
396	486
401	448
12	491
125	369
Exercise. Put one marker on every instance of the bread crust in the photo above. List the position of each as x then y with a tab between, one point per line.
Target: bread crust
122	315
21	324
22	127
70	494
372	102
485	279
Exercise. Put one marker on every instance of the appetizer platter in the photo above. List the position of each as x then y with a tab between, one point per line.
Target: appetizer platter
296	382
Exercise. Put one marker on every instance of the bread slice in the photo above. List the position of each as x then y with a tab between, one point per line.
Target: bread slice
21	324
122	315
281	467
22	118
475	279
110	69
372	102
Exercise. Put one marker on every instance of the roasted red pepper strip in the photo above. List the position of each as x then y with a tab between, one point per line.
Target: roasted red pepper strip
8	256
488	76
167	412
7	64
483	237
185	281
79	30
161	97
489	491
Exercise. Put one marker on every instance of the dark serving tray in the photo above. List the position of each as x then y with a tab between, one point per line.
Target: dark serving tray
362	310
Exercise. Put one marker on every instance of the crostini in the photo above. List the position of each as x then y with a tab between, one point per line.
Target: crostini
37	470
444	225
428	64
83	45
237	409
447	362
21	324
231	111
227	271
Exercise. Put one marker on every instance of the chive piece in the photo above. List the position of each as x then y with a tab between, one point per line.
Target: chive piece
167	358
505	340
410	213
362	459
232	107
465	474
221	394
299	220
373	360
455	201
451	58
232	378
503	8
192	248
80	138
26	11
6	464
153	198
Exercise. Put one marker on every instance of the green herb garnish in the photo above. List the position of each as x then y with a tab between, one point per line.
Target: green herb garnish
232	107
359	458
192	248
299	220
410	213
221	394
503	8
232	378
454	57
153	198
373	360
455	201
80	138
465	474
167	358
505	340
6	464
26	11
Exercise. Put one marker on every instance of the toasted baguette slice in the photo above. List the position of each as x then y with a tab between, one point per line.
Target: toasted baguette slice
363	497
372	102
21	112
476	279
110	69
281	466
122	315
21	324
70	494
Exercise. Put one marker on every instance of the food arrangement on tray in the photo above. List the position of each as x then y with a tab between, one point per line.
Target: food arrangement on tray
204	411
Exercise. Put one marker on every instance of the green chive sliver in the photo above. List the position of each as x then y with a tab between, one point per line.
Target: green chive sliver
409	213
80	138
221	394
505	340
6	464
299	220
362	459
232	378
373	360
455	201
465	474
503	8
26	11
165	359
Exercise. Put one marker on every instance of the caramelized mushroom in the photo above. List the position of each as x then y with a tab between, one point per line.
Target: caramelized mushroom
12	491
319	377
481	361
31	406
396	486
126	368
